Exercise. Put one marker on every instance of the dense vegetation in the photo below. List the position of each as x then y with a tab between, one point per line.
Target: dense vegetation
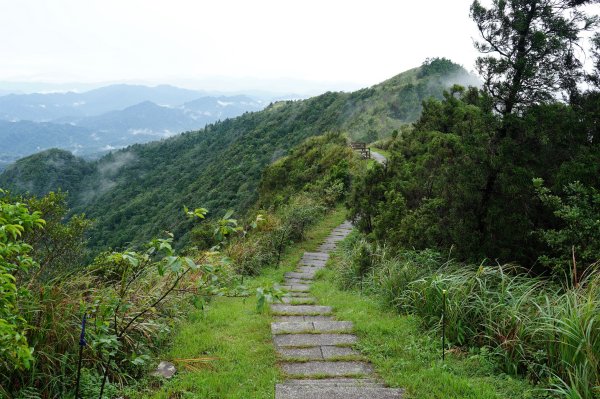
128	297
469	178
134	193
433	191
523	325
132	298
61	170
492	198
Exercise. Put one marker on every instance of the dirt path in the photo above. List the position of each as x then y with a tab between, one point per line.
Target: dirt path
378	157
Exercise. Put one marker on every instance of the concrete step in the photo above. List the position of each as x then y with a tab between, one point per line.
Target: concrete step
296	288
325	352
283	391
316	255
313	261
296	281
297	318
326	369
327	247
296	294
309	269
316	326
320	260
316	263
308	275
335	382
304	310
297	340
298	301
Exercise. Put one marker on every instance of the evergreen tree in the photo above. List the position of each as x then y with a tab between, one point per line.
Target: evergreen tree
529	49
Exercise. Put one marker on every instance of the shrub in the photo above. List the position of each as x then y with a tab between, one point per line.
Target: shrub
265	245
131	298
576	237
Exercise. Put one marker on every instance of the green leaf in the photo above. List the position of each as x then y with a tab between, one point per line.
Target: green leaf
191	264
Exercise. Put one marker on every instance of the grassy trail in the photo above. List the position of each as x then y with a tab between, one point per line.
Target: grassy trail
231	330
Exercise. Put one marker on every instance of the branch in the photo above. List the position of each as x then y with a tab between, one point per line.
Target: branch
159	300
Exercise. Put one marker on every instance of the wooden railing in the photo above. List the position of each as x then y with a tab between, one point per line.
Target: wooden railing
362	148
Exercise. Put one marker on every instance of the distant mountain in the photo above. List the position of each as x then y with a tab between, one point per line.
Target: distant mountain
139	123
159	120
25	137
139	191
46	107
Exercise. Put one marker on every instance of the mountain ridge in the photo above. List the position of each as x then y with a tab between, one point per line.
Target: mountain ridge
219	167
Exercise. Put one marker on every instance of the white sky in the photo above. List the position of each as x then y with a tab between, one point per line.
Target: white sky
277	45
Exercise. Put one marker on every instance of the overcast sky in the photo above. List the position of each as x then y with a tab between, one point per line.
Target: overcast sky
279	45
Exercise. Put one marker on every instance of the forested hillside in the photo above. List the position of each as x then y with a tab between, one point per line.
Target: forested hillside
137	192
488	209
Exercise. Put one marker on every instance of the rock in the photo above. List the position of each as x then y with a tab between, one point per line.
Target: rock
165	369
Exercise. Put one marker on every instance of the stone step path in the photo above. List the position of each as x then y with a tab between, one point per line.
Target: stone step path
314	348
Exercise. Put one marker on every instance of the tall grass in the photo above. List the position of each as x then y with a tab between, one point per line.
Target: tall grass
529	326
572	324
53	313
279	229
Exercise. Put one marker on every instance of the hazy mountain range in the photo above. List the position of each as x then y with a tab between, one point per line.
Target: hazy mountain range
107	118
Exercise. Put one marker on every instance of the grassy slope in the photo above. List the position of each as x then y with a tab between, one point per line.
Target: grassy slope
406	357
231	330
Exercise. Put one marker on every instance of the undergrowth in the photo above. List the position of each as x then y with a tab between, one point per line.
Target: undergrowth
525	326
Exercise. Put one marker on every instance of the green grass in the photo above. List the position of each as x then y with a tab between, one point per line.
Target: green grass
406	357
231	330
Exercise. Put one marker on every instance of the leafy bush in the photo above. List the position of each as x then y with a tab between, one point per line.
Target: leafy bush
15	220
131	299
264	246
576	238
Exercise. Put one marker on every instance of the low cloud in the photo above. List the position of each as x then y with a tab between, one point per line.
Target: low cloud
107	171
